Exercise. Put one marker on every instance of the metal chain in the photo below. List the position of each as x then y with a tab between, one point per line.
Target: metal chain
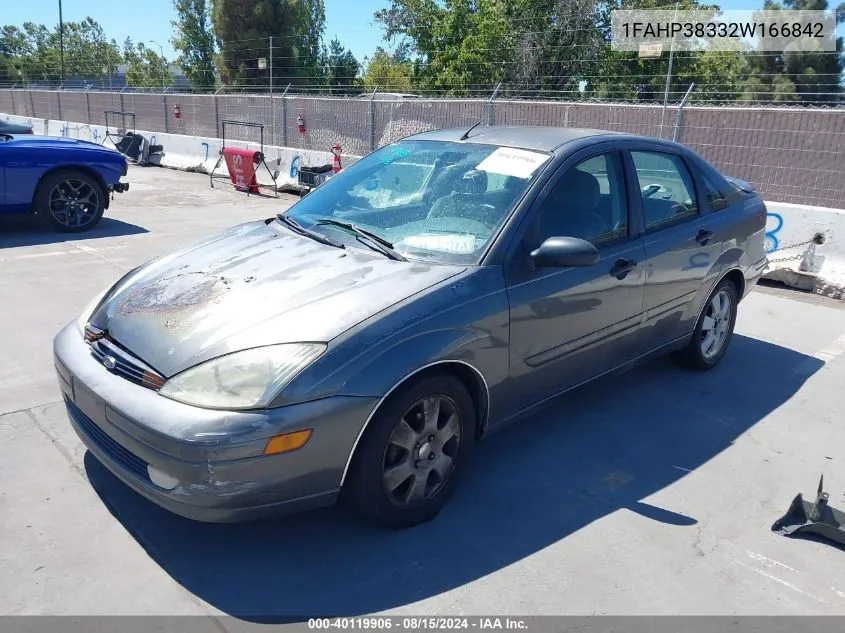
818	238
821	288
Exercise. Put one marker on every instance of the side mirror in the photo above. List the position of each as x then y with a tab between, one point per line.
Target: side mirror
564	252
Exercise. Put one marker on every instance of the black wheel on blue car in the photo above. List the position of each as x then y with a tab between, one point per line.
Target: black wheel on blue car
411	456
70	201
713	331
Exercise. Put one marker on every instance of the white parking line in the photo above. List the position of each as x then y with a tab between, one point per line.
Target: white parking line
769	562
780	580
809	365
78	248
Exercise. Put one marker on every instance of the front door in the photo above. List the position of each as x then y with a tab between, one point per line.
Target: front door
570	324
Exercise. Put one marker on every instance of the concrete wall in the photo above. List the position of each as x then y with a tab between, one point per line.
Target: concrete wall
792	154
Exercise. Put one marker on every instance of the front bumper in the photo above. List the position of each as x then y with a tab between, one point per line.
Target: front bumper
215	455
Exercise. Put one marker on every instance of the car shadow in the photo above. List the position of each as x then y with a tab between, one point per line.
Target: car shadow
603	448
27	230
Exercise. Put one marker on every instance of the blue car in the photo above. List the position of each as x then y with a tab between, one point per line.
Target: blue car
66	182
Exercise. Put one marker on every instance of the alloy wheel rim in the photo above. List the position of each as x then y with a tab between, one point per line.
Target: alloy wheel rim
74	203
716	324
421	451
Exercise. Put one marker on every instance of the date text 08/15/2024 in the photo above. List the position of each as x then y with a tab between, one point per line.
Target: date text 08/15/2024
426	623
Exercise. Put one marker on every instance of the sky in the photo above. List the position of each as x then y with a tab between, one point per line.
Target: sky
350	20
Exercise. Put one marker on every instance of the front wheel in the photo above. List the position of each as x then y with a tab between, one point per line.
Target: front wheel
713	331
413	452
70	201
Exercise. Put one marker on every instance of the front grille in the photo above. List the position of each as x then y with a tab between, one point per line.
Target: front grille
105	443
125	365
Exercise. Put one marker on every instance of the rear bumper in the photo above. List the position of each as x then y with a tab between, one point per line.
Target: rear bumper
216	456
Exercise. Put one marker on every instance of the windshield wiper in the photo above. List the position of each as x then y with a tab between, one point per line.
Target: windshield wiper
296	227
376	242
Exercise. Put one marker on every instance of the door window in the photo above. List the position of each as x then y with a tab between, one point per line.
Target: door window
715	198
666	188
587	202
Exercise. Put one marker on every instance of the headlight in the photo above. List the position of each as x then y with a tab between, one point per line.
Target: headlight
242	380
82	321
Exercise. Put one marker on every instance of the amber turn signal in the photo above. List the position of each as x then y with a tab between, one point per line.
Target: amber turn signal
287	442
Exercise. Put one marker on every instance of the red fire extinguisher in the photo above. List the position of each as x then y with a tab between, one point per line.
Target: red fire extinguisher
177	113
300	123
336	151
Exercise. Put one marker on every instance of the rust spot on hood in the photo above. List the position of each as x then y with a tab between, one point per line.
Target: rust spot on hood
173	294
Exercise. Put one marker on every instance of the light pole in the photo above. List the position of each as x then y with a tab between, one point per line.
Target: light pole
61	44
160	48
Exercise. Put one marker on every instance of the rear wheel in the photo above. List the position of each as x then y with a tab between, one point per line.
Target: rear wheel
413	452
70	201
714	329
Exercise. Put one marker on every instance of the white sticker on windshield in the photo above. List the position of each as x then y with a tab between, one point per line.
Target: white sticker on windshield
460	244
513	162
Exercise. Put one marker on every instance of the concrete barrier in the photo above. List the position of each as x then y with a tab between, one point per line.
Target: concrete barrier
195	153
806	247
39	126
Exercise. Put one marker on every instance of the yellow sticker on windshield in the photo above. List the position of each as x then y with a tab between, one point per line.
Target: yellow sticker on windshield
509	161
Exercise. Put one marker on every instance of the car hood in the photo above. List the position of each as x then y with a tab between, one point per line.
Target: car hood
255	284
30	140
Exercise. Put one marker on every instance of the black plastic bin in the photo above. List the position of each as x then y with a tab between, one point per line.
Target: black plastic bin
313	176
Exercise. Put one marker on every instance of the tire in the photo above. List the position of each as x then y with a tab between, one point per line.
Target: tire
400	487
712	322
70	201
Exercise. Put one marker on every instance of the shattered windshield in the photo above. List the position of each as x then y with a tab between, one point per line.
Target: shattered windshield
437	201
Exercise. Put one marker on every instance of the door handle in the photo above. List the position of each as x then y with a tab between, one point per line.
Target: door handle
622	267
703	236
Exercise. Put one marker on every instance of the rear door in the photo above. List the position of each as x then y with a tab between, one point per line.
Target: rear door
570	324
682	244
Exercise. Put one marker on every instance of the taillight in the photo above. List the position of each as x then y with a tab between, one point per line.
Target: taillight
29	131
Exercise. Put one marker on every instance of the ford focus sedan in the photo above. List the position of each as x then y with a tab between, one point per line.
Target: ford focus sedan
358	346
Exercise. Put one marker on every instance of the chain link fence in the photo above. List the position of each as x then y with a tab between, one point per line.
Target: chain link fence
792	155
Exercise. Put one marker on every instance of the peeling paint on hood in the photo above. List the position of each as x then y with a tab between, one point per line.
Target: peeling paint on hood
255	284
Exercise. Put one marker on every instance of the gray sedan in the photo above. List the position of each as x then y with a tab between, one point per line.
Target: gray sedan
357	346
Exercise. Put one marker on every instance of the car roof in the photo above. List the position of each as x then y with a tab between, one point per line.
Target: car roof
541	138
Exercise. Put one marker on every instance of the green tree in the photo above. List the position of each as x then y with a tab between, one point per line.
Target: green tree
88	53
42	63
146	68
194	40
461	47
243	29
31	53
14	47
717	75
466	47
796	75
386	72
339	69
